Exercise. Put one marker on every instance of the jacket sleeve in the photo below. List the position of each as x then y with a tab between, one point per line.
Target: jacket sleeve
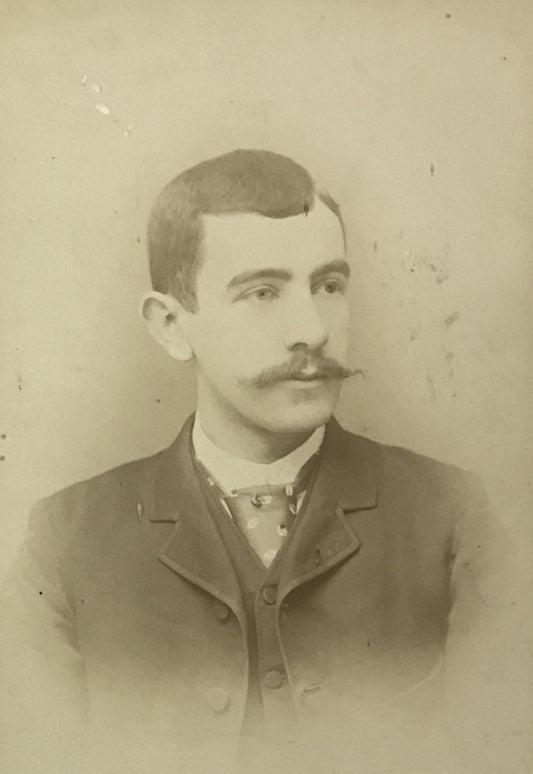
486	664
41	670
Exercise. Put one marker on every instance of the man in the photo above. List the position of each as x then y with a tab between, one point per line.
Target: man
270	580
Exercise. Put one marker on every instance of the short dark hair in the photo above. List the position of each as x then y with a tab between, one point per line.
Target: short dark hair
241	181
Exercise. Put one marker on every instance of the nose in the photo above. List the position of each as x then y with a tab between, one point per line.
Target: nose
303	324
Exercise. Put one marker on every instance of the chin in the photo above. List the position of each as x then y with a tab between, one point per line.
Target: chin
301	419
289	409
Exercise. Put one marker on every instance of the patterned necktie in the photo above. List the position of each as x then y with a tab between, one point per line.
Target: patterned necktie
264	515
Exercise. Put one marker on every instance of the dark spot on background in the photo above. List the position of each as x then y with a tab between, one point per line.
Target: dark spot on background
375	246
448	16
138	240
451	319
355	63
40	593
449	359
158	400
3	436
440	272
432	170
306	209
2	457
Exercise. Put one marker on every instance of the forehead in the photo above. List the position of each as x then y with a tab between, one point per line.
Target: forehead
245	241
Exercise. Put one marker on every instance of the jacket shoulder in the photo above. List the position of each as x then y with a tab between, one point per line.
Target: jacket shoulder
115	486
406	470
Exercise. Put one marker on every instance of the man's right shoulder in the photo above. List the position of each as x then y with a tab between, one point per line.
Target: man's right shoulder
107	492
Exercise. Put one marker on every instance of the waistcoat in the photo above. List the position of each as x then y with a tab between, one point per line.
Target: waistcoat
269	707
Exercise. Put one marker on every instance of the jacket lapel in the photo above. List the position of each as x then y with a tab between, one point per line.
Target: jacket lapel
194	549
345	482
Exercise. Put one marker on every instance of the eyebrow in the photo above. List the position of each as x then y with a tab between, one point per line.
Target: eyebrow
339	265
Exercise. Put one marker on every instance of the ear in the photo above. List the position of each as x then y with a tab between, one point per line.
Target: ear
164	315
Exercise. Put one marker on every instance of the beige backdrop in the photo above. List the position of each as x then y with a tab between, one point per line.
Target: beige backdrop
415	114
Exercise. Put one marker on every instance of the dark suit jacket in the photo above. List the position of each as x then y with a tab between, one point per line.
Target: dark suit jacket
124	607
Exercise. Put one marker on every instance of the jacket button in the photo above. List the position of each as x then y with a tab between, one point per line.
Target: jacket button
270	594
273	679
221	610
218	699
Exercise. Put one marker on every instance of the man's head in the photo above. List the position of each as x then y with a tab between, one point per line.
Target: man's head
248	266
244	181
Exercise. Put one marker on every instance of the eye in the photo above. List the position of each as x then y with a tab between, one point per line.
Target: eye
331	285
263	293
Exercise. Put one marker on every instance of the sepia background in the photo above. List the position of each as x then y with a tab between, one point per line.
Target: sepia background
416	115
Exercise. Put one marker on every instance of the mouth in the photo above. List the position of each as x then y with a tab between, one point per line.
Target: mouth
307	380
307	374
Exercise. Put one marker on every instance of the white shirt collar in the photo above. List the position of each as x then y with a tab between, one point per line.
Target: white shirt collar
233	473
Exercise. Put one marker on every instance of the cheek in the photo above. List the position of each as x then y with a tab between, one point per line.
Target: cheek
336	318
208	335
244	337
227	350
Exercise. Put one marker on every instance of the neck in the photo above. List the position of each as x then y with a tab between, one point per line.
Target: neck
232	433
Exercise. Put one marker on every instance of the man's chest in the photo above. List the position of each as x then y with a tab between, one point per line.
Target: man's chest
370	613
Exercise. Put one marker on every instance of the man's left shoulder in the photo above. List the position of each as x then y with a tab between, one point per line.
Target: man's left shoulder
408	473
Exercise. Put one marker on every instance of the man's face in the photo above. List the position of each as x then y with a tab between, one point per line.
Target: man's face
270	332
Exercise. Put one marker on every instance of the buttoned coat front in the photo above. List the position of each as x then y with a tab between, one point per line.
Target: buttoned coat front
126	618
